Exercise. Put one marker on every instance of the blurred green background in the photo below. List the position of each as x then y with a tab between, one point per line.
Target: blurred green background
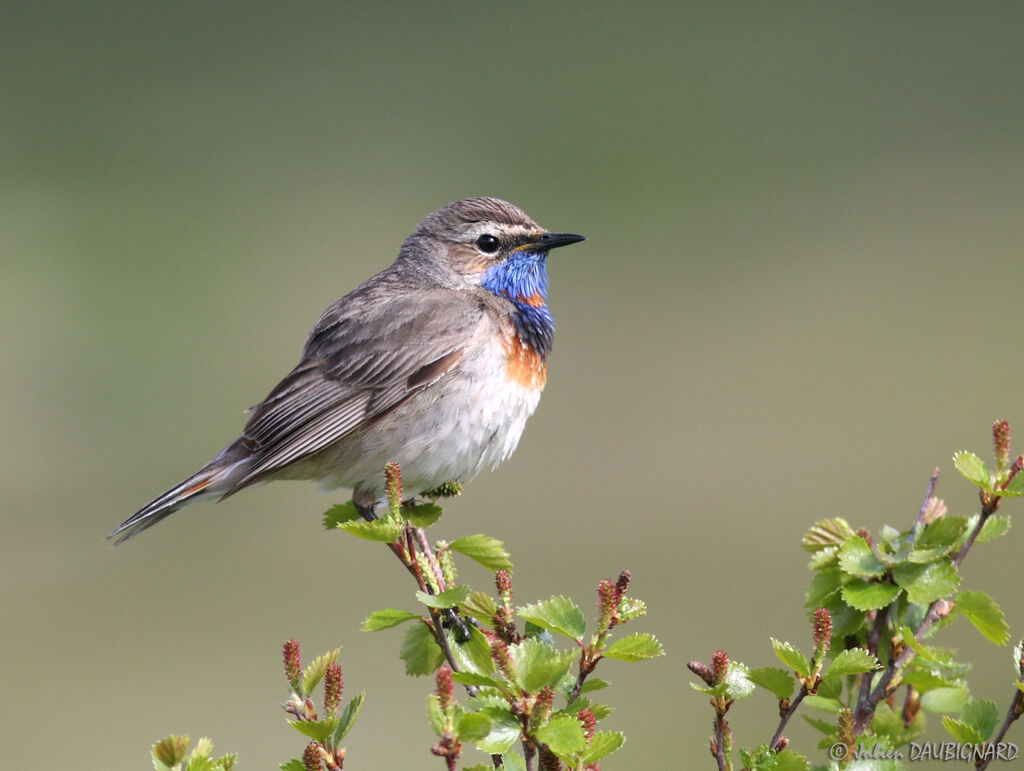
800	293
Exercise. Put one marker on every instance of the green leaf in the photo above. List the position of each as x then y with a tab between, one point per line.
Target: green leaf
864	595
856	558
960	731
973	468
472	678
593	684
422	514
314	671
789	760
738	684
343	512
474	655
928	652
559	615
852	661
982	611
435	715
943	532
504	731
791	657
631	608
995	526
824	584
450	598
982	715
293	765
924	680
927	583
489	552
385	619
480	606
384	530
348	716
602	745
824	704
420	651
827	532
634	647
317	730
1014	488
829	729
944	699
564	736
512	761
472	726
537	665
778	681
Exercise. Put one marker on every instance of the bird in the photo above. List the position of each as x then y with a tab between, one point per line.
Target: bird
435	363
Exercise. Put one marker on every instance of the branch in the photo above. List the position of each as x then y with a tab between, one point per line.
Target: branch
785	718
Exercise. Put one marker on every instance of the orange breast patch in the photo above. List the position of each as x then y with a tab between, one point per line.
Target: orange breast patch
523	365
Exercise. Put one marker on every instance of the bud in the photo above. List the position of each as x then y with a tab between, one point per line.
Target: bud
781	744
292	666
623	583
332	690
446	563
503	582
542	706
499	652
607	601
703	671
719	666
589	722
310	709
393	489
445	688
1001	442
933	510
822	623
311	757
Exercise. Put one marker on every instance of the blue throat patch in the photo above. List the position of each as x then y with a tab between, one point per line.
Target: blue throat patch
523	280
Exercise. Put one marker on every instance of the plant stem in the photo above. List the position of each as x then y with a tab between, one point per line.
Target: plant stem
786	717
1014	712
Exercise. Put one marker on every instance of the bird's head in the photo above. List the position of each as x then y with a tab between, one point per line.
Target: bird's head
490	243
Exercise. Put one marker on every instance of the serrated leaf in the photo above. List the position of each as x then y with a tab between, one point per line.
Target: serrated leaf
480	606
973	469
420	652
348	716
789	760
791	657
865	595
593	684
826	557
927	583
603	744
826	532
293	765
318	730
928	652
314	671
924	680
738	684
435	715
982	715
512	761
960	731
450	598
829	729
852	661
559	615
474	654
943	532
856	558
483	549
537	665
504	731
987	617
1014	488
383	530
634	647
631	608
422	514
472	678
563	735
824	584
472	726
944	700
343	512
995	526
824	703
386	618
778	681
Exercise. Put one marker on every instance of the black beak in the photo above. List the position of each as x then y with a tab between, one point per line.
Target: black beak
554	240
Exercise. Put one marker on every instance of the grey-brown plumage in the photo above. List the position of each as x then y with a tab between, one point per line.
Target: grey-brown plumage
435	363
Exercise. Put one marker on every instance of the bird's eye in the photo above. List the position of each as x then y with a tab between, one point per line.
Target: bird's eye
488	244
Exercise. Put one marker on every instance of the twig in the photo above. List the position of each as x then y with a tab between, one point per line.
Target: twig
927	497
1014	712
785	717
723	764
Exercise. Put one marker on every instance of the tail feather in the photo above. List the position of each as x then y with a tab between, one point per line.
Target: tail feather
213	479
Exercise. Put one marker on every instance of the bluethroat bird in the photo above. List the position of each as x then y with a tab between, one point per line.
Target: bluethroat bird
434	363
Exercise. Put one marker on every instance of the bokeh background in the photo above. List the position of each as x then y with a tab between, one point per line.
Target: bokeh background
800	293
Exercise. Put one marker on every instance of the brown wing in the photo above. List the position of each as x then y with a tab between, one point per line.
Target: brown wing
368	353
